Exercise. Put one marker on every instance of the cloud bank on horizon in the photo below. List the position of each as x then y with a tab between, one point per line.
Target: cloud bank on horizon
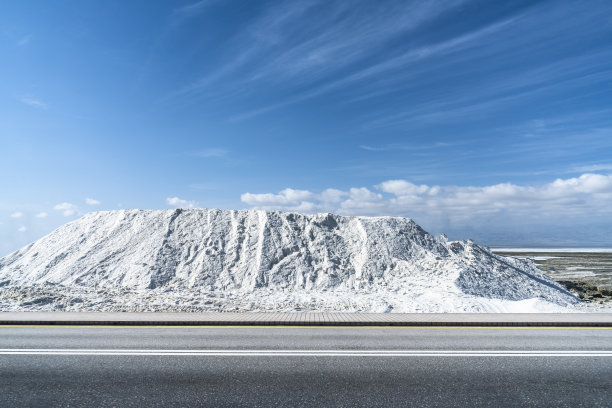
588	195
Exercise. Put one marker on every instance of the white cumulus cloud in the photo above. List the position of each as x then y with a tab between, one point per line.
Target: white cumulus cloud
22	229
180	203
17	214
331	195
41	215
287	197
67	208
91	201
587	196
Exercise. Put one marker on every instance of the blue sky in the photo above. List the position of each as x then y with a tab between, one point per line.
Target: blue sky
481	119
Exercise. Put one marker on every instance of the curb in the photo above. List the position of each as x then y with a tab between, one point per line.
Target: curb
296	324
307	319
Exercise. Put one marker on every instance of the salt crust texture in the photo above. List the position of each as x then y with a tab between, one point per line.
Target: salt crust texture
207	260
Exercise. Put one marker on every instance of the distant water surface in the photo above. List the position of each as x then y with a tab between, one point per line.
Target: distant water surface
555	250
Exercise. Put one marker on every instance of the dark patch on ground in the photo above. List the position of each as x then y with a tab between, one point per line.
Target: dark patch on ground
587	291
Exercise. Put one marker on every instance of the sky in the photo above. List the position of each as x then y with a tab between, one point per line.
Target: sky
479	119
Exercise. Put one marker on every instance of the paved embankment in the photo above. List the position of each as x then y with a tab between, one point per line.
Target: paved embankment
311	319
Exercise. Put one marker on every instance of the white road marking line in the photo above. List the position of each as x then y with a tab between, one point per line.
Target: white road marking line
314	353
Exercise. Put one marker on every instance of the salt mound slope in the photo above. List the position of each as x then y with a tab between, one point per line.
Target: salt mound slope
267	256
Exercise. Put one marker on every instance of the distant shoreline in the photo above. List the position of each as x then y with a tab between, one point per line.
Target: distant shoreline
550	250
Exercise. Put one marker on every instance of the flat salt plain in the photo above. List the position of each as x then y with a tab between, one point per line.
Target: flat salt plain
586	270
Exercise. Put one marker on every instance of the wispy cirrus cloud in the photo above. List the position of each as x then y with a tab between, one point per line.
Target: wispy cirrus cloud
413	147
495	94
34	102
212	152
382	78
304	50
592	168
284	49
203	186
24	40
329	48
183	14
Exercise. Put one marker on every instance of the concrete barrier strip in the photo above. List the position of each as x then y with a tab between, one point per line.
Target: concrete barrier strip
309	319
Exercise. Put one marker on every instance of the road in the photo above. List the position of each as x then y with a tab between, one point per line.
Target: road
274	366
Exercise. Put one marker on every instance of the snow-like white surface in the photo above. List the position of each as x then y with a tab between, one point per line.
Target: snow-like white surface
257	260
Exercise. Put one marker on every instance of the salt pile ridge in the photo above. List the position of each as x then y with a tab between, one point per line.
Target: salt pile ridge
256	260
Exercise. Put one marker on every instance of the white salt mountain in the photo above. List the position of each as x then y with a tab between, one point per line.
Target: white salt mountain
258	260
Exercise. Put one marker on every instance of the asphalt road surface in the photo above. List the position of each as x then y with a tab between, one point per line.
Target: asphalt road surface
274	367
